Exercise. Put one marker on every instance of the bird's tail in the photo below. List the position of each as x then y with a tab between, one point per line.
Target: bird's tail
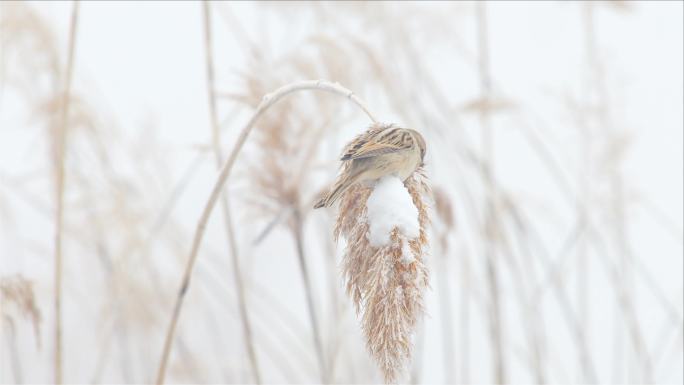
337	190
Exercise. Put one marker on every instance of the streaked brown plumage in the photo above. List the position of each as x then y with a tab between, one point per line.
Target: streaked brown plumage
382	150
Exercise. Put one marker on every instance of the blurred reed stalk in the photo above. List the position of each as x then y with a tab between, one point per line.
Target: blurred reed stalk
444	213
465	318
225	204
297	233
336	349
583	199
491	222
625	276
60	148
527	231
18	291
266	102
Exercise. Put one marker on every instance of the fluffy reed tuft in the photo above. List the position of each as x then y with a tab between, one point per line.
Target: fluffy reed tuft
18	291
385	284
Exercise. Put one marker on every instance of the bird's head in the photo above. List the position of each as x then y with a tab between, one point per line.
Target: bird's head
418	138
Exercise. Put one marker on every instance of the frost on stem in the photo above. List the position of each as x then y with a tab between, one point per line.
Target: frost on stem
385	228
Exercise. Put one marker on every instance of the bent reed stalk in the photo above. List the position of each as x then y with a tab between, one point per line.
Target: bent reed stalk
266	102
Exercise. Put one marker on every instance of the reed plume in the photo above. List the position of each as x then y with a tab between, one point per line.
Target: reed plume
18	291
387	282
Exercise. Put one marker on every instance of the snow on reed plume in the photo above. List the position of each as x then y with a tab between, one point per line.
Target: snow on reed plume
385	228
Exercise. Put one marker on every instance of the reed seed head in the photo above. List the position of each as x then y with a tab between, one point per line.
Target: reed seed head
386	283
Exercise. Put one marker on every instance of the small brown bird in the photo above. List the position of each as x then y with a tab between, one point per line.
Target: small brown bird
382	150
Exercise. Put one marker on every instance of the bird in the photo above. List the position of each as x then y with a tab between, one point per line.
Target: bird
384	149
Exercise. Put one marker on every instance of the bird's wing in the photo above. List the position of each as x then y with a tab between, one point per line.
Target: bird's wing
376	141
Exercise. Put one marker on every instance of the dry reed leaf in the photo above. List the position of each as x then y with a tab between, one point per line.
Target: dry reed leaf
386	285
619	5
25	36
18	291
443	207
487	105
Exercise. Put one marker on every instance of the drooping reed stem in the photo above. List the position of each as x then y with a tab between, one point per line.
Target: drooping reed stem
225	205
266	102
60	148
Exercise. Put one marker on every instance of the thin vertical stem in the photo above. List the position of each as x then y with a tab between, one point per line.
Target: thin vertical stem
419	347
445	312
583	272
336	348
225	204
59	189
624	286
306	278
15	358
465	318
491	218
582	202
